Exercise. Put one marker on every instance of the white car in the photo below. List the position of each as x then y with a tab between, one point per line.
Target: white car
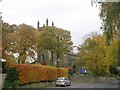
62	81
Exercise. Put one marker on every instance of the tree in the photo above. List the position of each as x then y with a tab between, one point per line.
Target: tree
90	54
112	55
110	15
6	40
96	56
55	40
24	39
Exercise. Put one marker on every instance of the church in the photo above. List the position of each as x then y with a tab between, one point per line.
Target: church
38	24
47	57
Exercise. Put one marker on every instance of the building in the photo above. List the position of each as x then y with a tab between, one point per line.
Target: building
47	57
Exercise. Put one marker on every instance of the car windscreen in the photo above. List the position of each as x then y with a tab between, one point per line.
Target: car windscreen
60	79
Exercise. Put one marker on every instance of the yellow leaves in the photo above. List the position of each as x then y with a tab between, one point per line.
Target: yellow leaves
30	73
101	41
95	52
62	72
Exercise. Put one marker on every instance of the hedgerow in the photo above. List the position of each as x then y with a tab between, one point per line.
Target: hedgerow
62	72
30	73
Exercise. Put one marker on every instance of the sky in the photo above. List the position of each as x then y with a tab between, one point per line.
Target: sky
77	16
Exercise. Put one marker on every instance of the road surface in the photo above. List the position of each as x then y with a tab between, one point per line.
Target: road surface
104	84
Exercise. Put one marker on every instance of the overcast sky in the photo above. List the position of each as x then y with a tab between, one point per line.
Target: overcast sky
77	16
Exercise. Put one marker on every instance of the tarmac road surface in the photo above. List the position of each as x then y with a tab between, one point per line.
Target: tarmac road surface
105	84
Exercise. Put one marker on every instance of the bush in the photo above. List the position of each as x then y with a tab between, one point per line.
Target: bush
3	67
12	74
12	79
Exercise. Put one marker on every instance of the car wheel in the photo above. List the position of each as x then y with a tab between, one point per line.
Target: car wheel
56	85
65	85
70	84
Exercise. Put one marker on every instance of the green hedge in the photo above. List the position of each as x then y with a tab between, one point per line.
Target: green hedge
12	79
3	67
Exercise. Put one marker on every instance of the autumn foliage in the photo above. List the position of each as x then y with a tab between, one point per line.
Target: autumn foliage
62	72
30	73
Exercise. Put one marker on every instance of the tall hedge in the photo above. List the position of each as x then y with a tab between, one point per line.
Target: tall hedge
30	73
62	72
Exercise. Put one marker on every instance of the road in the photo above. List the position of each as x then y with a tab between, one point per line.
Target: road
102	84
105	84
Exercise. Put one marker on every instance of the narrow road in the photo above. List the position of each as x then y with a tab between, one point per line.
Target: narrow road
103	84
107	84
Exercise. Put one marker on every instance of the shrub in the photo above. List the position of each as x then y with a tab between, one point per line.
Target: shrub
12	74
12	78
3	67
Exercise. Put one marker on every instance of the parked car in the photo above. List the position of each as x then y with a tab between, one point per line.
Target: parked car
62	81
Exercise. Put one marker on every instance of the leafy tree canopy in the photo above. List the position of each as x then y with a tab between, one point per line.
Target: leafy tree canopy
56	40
110	16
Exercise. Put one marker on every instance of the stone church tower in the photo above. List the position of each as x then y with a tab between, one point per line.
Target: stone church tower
45	56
